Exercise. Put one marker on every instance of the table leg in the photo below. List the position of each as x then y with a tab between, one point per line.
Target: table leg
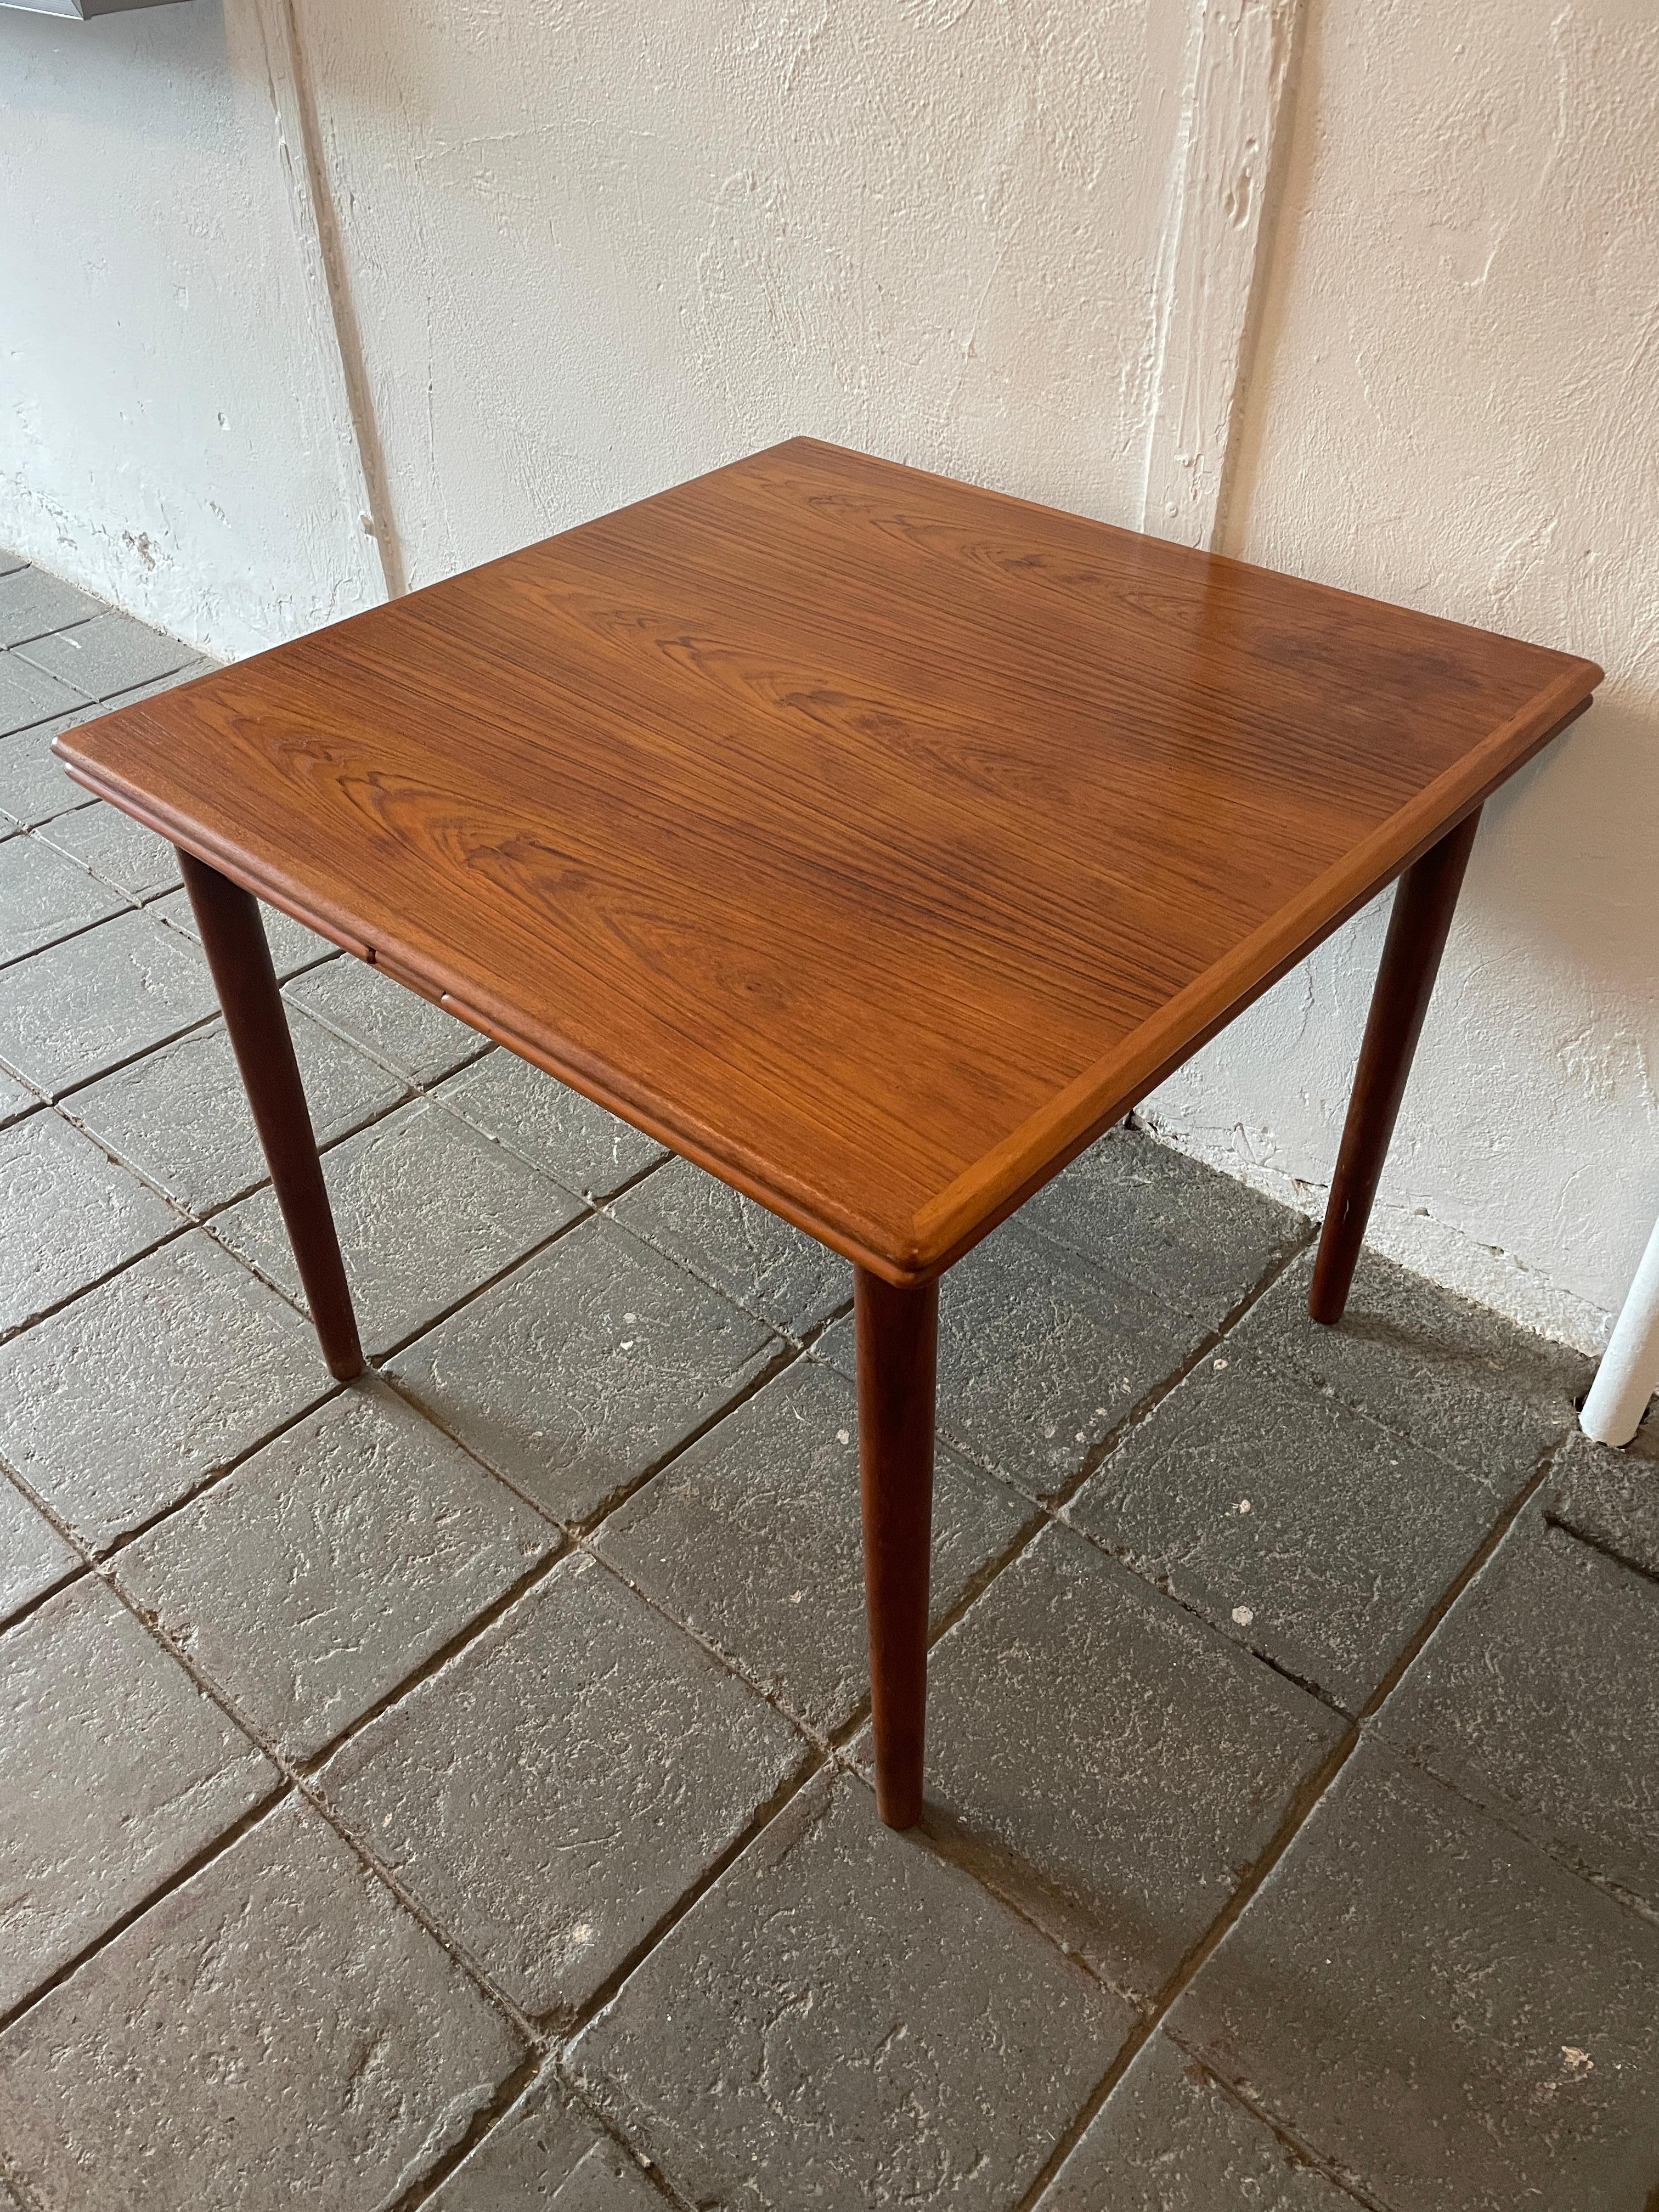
897	1335
233	938
1423	902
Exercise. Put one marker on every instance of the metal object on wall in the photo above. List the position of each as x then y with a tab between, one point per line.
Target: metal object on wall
79	11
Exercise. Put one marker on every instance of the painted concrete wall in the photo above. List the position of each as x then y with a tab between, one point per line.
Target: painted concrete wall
162	439
1454	404
582	248
597	248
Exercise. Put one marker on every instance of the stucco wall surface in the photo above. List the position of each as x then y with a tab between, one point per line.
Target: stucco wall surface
596	247
160	437
1455	404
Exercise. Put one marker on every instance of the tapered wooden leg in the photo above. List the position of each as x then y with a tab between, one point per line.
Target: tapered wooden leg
897	1335
1424	903
233	938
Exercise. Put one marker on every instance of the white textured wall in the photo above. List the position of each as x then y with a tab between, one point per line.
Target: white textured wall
1456	404
587	247
596	247
161	435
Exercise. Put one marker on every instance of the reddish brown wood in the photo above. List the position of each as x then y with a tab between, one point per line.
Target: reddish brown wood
1424	904
872	839
233	939
897	1335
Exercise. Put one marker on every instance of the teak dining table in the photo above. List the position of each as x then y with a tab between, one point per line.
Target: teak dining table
875	841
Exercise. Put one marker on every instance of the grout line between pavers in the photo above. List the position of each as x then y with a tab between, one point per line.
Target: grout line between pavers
1299	1809
308	1766
784	1355
825	1754
802	1339
494	2109
227	1838
563	2036
1507	1515
1291	1821
292	1778
182	1228
375	1360
1510	1820
1602	1550
1338	2176
822	1754
26	1612
126	1060
67	937
99	1555
542	2066
541	2040
301	1775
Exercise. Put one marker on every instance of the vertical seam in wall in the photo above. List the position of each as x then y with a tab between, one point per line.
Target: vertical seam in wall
333	315
1272	188
1237	66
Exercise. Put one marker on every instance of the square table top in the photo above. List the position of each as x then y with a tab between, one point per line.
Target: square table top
873	840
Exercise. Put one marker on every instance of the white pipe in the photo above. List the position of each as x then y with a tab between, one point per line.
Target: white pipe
1630	1366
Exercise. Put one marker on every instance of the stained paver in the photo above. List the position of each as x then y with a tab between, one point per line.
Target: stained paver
791	1280
547	2155
1535	1695
33	602
1431	2002
554	1128
116	1406
179	1115
1199	1241
556	1787
1431	1366
844	2014
110	655
1171	2139
1299	1528
116	850
16	1100
33	1558
81	1006
115	1770
33	788
292	947
43	897
1108	1759
419	1040
426	1210
28	696
752	1538
68	1215
333	1563
1042	1354
348	2051
580	1371
1609	1498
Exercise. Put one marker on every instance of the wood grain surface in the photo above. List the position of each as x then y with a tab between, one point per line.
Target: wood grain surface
872	839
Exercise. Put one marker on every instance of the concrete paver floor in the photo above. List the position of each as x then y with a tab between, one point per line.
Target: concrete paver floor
451	1790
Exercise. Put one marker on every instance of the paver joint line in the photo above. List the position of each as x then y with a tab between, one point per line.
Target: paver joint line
804	1322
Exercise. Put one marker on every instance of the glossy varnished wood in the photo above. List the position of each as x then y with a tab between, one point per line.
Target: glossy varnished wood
896	1332
872	839
1425	902
233	939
